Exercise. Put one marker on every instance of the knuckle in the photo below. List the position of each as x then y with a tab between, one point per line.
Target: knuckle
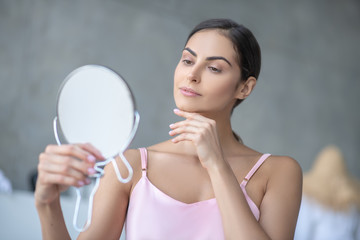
49	148
40	167
64	169
204	125
197	138
83	145
67	160
212	122
203	131
42	157
60	179
69	149
80	145
43	178
208	124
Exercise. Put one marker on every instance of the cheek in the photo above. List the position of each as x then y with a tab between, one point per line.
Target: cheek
223	87
177	72
177	77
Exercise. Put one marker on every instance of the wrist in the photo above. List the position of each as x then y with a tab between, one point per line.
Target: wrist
41	204
218	167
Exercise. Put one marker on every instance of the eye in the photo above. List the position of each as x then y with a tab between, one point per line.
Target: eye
214	69
187	61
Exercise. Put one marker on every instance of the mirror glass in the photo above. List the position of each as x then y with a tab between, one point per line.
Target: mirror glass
95	105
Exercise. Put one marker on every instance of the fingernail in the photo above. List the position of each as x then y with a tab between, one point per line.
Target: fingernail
176	110
171	125
81	183
170	132
91	171
91	158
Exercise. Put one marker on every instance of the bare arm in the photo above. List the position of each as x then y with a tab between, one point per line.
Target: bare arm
279	207
111	201
67	165
52	220
281	203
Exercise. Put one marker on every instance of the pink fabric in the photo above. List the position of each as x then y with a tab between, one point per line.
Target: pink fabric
152	214
255	210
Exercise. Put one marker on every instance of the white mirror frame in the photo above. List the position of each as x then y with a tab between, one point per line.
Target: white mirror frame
100	165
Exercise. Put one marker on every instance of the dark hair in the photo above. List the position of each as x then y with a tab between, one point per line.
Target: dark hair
245	44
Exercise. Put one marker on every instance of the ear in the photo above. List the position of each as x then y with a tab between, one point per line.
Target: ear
245	88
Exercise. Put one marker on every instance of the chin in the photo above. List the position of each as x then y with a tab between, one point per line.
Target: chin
190	108
192	105
186	106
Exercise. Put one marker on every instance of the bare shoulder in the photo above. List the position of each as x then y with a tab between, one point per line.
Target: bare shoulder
283	164
284	171
165	146
132	156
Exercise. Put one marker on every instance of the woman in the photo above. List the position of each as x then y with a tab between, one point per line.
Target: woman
203	183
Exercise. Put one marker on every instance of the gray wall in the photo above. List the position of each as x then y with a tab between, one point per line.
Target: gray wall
306	98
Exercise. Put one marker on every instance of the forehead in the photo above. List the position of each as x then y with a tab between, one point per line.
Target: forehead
212	43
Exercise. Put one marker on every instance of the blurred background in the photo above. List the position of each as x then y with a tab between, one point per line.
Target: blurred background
307	95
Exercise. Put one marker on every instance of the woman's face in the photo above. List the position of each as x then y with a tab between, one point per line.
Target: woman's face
207	75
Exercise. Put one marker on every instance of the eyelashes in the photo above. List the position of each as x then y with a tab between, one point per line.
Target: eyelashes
187	62
213	69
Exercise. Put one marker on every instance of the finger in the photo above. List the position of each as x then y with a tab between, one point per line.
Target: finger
187	122
194	117
90	148
71	150
52	178
63	164
183	129
183	137
65	170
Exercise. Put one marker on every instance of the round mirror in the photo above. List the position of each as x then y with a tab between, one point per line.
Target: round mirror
95	105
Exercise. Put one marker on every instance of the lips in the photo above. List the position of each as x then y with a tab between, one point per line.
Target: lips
189	92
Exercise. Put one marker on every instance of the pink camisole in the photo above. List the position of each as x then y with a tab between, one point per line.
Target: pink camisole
152	214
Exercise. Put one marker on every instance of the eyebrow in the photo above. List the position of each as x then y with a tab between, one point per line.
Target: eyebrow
208	58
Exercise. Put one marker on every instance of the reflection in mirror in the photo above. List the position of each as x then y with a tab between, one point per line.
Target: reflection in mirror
95	105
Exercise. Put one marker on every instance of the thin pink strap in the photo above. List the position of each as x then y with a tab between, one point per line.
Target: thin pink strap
143	154
255	168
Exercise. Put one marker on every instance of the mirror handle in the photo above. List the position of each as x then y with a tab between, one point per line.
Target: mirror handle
78	194
90	207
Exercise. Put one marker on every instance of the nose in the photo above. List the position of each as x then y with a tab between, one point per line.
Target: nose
194	75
